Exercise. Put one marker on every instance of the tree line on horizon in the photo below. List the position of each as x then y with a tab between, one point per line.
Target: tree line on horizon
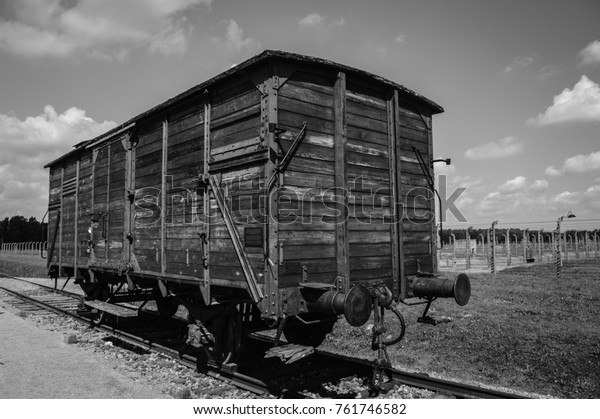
19	229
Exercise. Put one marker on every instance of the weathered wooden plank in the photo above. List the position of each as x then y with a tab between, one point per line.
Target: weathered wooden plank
320	251
372	273
309	151
226	96
368	136
230	259
151	159
144	184
230	273
364	123
311	80
187	122
303	223
363	175
190	162
367	148
310	180
360	224
411	134
307	237
234	129
195	133
313	138
314	124
142	171
300	107
357	236
370	262
292	90
368	160
366	109
300	164
251	111
244	100
360	211
147	259
370	249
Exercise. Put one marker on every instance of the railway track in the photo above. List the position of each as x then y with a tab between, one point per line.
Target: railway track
170	341
134	332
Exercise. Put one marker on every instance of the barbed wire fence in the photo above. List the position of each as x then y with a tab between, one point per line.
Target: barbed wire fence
535	242
24	248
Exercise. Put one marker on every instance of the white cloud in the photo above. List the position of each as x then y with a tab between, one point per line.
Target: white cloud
539	185
336	23
234	38
521	62
107	29
517	184
505	147
312	19
580	163
521	184
582	203
580	104
27	145
552	171
401	39
591	53
315	19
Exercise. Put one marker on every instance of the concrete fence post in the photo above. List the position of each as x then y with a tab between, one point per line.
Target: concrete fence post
493	249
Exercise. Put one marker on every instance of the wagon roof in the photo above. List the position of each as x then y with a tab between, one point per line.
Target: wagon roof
265	55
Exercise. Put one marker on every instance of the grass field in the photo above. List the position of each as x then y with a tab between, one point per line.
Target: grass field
31	266
522	329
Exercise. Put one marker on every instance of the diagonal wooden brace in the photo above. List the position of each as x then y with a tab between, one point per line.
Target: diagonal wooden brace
253	288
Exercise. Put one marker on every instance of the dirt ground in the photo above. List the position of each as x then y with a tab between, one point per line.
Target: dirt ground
36	364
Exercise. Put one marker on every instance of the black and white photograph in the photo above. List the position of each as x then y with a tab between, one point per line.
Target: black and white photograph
303	208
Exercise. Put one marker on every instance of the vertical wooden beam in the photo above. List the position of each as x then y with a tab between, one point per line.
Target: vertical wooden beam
270	304
163	198
394	182
400	199
428	160
92	200
128	145
76	232
107	217
60	225
206	198
340	164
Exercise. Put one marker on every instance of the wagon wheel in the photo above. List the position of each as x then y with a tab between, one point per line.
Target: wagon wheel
167	306
227	331
101	292
308	334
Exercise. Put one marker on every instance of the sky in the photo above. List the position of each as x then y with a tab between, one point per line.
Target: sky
519	82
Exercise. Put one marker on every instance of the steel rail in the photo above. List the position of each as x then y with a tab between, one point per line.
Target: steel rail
222	374
47	287
438	385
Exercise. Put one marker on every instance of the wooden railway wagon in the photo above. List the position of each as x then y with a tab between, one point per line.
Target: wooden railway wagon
281	193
